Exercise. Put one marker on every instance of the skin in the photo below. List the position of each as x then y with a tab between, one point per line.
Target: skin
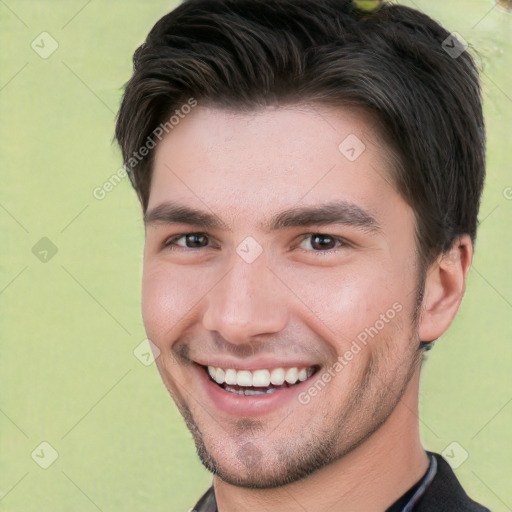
355	445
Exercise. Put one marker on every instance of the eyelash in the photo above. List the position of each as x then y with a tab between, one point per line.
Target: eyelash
171	243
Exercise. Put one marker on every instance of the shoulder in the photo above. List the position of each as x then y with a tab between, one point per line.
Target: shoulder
445	494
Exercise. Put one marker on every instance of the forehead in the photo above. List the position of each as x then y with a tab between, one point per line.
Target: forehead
253	164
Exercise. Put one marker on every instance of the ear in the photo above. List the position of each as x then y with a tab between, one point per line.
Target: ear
445	284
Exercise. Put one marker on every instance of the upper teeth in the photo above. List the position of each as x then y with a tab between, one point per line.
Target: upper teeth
259	378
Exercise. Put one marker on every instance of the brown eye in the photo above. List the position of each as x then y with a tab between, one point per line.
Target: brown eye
189	241
321	242
195	240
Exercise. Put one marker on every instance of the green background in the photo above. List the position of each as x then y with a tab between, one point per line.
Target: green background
70	324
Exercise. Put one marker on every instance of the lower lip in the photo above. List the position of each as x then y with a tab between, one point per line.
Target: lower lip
247	405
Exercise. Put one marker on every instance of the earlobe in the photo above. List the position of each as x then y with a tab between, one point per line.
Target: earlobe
445	284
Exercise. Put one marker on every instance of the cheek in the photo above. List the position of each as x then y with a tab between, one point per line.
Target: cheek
168	296
344	301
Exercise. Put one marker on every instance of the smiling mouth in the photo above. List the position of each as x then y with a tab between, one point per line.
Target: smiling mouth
258	382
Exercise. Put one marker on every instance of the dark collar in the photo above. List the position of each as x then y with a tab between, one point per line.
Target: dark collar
443	494
207	502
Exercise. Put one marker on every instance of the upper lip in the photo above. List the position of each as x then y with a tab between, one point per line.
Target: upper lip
268	363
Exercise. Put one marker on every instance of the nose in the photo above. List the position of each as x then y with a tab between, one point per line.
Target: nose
247	302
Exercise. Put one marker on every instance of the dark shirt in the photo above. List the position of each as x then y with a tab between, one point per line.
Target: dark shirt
437	491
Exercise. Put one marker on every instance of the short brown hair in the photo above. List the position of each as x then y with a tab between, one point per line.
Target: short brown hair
247	54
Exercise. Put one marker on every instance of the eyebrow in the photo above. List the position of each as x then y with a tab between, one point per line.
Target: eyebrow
340	212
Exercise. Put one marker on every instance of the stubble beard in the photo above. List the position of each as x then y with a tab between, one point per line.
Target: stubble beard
371	402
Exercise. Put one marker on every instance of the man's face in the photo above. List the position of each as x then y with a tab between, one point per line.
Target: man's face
264	293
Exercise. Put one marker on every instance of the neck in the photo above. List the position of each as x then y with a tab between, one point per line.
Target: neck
371	477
